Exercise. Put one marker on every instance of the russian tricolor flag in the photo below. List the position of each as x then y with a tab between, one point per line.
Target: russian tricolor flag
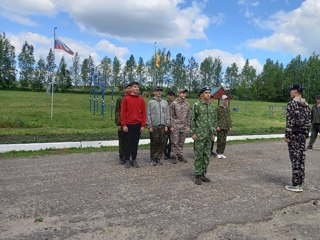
58	44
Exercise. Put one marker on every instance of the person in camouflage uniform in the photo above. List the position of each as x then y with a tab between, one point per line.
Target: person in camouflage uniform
158	122
203	130
180	125
167	149
315	118
223	126
298	121
126	90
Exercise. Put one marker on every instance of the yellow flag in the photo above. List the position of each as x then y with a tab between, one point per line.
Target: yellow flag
157	60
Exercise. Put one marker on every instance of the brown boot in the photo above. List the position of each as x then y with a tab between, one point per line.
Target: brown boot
205	179
182	159
197	180
174	160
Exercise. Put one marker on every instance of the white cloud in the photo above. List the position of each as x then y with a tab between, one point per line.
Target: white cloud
169	22
42	45
108	47
295	32
246	6
164	21
228	58
219	19
20	10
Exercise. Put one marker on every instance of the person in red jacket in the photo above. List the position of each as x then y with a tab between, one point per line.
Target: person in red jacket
133	121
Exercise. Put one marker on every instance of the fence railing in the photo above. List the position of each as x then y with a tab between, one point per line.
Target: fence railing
274	109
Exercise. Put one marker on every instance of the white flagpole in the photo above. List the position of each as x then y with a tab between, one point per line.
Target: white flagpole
155	63
52	85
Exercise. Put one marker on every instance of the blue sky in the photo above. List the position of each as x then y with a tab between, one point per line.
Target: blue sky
233	30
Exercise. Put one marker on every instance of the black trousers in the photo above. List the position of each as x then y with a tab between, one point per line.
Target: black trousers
131	141
167	148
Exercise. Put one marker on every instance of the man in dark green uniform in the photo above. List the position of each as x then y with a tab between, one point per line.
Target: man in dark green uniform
203	130
126	90
167	150
223	126
315	118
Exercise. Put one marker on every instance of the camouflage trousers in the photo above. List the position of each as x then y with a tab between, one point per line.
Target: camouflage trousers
201	156
221	140
177	142
297	156
314	133
157	142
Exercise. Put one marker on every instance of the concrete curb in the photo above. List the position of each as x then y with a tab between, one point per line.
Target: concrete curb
96	144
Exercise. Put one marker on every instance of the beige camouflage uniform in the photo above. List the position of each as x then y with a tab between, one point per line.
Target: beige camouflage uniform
180	125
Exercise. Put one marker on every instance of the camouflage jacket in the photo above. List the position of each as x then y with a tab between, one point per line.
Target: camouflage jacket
158	113
224	118
170	102
117	110
180	115
298	118
203	120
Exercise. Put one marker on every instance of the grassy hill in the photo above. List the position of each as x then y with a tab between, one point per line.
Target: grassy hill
26	117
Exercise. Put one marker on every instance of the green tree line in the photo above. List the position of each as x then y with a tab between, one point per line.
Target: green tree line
271	84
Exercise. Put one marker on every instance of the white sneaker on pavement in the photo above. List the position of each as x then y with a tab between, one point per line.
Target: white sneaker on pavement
292	188
219	156
223	156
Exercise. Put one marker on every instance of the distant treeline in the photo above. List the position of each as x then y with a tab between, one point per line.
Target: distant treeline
272	84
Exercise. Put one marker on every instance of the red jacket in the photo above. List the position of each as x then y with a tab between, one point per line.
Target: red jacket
133	110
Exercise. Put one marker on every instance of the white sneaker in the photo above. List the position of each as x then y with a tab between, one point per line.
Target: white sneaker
219	156
291	188
223	156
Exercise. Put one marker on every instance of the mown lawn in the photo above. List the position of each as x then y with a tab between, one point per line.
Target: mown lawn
25	117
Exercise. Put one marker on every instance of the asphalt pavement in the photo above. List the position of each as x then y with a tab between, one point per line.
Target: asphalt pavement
92	196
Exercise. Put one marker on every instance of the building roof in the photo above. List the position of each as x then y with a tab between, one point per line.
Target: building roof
217	92
214	90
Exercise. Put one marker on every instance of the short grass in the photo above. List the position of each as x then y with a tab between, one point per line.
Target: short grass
25	117
44	152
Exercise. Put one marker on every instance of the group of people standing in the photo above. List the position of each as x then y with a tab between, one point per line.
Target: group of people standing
169	122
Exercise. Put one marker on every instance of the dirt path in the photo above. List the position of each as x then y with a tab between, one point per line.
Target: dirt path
91	196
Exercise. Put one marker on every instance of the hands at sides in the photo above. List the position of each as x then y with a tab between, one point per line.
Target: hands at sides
194	137
213	138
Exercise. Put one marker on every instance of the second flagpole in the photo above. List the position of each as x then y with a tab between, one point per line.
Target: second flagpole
155	63
52	79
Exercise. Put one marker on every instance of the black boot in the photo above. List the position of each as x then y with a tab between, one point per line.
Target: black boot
159	162
197	180
121	159
205	179
127	164
135	163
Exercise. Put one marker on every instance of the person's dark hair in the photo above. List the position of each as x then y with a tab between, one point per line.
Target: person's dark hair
297	86
134	83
